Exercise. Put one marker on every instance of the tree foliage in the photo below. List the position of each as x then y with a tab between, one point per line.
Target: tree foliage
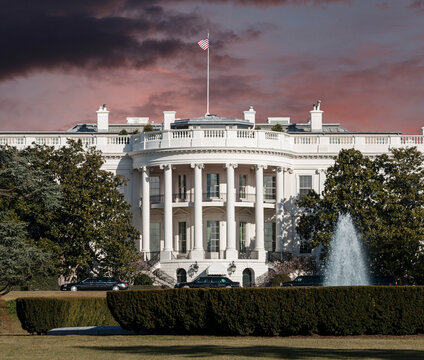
385	197
28	199
93	231
277	127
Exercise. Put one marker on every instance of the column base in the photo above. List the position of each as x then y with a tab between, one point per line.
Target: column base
231	254
197	254
165	255
260	254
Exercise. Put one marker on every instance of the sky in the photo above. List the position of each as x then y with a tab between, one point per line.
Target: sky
60	60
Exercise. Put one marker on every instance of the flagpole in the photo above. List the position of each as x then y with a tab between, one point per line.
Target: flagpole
207	83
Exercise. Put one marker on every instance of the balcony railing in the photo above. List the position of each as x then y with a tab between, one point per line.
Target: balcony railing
231	138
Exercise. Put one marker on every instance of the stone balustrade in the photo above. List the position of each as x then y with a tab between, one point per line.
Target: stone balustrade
231	138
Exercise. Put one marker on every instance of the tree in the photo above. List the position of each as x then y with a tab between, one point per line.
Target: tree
28	199
92	233
277	127
148	128
385	198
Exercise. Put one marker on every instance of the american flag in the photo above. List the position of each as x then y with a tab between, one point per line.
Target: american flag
204	44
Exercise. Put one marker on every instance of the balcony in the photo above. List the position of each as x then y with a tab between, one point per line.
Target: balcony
253	139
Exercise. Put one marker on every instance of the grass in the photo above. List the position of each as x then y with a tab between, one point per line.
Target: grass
197	347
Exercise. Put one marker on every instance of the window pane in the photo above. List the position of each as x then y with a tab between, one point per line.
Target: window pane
154	237
213	236
154	188
212	185
305	184
182	189
269	187
269	236
242	186
182	237
242	236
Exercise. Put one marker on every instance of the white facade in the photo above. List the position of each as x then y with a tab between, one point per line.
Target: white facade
217	191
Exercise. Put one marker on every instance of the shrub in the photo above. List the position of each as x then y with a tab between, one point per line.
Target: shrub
277	127
148	128
38	315
278	279
272	311
142	279
123	132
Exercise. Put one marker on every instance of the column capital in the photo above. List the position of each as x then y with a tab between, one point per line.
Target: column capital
288	170
165	166
143	168
321	171
279	169
227	165
261	166
198	165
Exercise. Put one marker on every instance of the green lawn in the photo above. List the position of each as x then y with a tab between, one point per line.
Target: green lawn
198	347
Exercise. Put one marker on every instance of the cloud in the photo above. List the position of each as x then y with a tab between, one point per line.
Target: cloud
91	35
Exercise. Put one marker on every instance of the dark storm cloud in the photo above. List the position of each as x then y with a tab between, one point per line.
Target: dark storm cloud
49	34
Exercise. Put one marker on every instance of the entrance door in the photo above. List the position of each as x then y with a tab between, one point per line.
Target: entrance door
247	278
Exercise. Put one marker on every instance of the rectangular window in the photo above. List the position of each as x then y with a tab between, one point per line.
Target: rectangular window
305	184
182	237
242	236
155	236
269	187
213	236
182	188
269	236
154	189
212	185
242	186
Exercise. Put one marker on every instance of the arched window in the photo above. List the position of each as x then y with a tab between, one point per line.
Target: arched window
181	275
248	278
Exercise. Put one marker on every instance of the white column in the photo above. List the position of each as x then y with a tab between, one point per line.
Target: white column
259	213
279	208
231	251
145	210
198	252
167	212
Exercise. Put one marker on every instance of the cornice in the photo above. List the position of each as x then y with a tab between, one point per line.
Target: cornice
266	152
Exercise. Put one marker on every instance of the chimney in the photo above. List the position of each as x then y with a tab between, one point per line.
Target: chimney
316	117
102	119
168	119
250	115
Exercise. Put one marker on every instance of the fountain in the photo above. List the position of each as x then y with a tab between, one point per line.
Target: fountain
346	258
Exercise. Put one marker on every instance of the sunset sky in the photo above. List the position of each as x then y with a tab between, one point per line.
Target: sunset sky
61	59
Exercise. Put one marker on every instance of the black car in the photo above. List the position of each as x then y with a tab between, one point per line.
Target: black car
101	283
209	281
306	280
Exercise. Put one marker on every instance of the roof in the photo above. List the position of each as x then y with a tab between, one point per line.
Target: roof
210	121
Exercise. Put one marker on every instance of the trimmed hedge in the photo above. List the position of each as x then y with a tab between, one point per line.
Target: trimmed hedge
272	311
38	315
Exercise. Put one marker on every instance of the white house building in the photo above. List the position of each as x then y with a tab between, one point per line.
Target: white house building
217	195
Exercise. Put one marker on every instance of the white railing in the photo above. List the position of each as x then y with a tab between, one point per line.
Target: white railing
246	134
306	140
412	139
209	138
376	140
214	133
181	134
120	140
154	135
341	140
271	135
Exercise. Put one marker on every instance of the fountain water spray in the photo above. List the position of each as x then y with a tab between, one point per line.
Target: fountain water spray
346	260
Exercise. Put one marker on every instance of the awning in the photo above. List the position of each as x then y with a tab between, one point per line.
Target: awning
216	269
